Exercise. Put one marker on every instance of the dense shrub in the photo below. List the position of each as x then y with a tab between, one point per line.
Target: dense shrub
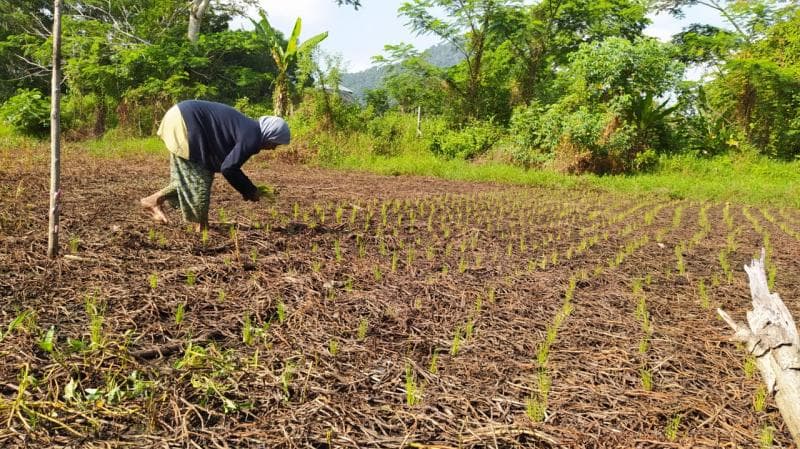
388	133
469	142
28	112
608	115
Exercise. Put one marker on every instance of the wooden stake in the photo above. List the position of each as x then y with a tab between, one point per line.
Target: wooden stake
771	336
55	135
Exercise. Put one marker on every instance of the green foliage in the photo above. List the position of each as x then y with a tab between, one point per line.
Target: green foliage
469	142
608	116
28	112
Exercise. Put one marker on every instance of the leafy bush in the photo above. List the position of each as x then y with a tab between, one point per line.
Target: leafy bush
608	115
473	140
28	112
388	132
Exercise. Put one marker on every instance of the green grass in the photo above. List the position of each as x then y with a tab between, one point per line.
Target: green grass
110	146
754	180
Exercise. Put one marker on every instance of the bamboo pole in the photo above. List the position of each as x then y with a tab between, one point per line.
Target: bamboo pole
771	336
55	136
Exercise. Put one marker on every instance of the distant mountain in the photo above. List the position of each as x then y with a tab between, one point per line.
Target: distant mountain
441	55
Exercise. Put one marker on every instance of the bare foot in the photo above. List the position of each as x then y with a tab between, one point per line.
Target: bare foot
152	207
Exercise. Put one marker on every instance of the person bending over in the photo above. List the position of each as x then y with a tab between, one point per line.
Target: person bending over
204	138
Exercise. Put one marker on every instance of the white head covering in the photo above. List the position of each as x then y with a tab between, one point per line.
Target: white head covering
274	131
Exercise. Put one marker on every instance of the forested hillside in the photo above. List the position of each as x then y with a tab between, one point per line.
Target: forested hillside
442	55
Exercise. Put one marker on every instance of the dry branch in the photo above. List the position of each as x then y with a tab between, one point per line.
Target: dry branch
771	336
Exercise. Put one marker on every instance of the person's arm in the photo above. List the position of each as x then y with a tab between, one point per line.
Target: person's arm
231	169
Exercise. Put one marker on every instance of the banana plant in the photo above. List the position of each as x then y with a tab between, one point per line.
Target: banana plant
284	57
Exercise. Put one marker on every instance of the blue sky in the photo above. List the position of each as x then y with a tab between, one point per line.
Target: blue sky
359	35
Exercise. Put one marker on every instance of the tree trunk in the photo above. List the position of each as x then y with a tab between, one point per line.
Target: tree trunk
197	9
55	136
771	336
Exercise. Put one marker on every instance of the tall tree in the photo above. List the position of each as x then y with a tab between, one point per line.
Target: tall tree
197	9
467	27
542	35
285	58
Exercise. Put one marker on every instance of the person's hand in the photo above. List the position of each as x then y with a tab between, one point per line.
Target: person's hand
254	196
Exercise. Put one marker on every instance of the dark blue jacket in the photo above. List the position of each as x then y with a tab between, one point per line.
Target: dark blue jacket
221	139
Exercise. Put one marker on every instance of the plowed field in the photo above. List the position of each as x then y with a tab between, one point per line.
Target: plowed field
365	311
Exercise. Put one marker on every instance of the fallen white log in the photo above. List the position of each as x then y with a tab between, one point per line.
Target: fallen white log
771	336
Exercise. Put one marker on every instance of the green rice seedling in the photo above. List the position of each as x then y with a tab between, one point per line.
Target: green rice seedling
353	215
95	314
280	309
254	256
348	284
295	211
490	295
677	217
180	312
153	280
337	250
726	265
411	254
554	258
455	345
223	216
702	292
204	237
462	265
247	330
338	214
320	212
191	278
316	266
413	393
478	305
760	398
535	409
433	367
74	242
151	235
362	247
766	437
221	295
646	377
644	344
672	428
727	217
377	274
333	347
47	342
286	378
750	366
469	328
382	247
363	327
543	353
679	257
395	259
445	269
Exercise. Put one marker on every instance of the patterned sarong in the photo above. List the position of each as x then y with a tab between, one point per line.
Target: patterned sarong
189	188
